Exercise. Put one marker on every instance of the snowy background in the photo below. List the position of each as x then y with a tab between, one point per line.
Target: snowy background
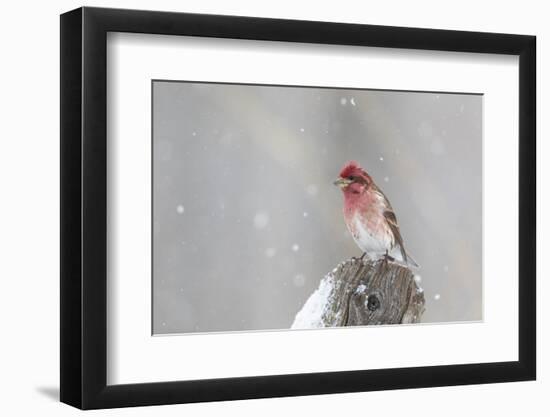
246	220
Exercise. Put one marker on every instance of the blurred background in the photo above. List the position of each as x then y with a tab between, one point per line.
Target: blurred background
246	220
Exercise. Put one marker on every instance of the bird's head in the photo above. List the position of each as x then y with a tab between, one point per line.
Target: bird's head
353	179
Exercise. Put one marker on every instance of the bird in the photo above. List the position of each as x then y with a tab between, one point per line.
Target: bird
370	218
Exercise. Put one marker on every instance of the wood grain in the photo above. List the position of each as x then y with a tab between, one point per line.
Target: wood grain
360	292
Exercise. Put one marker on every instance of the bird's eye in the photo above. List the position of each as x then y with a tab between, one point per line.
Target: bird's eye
351	178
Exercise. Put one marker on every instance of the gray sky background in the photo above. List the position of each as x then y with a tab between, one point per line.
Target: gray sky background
246	220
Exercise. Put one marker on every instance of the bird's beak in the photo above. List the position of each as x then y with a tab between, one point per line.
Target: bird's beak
342	182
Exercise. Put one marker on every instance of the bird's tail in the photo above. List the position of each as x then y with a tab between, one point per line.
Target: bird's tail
411	261
404	257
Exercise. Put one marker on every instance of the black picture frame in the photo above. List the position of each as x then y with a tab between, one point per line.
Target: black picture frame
84	207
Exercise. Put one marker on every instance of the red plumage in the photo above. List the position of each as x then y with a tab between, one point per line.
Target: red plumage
351	168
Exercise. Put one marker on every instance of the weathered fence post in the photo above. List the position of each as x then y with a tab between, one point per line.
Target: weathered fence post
359	293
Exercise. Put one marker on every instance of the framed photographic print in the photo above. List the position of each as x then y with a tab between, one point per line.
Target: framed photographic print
257	207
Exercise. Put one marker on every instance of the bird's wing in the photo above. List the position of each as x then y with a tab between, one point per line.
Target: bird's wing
394	227
391	219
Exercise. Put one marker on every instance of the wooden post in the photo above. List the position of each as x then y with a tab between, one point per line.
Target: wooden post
359	293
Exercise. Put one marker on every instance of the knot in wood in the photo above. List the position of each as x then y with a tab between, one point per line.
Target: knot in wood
373	302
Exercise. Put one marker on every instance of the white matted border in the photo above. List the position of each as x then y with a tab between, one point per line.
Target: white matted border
134	356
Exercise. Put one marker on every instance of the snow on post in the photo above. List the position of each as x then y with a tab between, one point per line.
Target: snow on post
363	292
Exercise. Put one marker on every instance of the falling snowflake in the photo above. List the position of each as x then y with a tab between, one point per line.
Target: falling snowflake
386	179
270	252
418	279
352	101
295	247
180	209
437	297
343	101
306	214
299	280
194	133
302	130
261	220
381	158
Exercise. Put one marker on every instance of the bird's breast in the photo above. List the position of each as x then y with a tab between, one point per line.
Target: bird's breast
370	234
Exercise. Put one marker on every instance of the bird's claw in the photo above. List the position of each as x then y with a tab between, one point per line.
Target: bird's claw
360	259
387	259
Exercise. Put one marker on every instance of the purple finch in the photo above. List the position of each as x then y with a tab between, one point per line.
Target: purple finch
369	216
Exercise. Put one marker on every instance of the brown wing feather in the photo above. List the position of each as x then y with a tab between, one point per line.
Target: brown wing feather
394	227
390	217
